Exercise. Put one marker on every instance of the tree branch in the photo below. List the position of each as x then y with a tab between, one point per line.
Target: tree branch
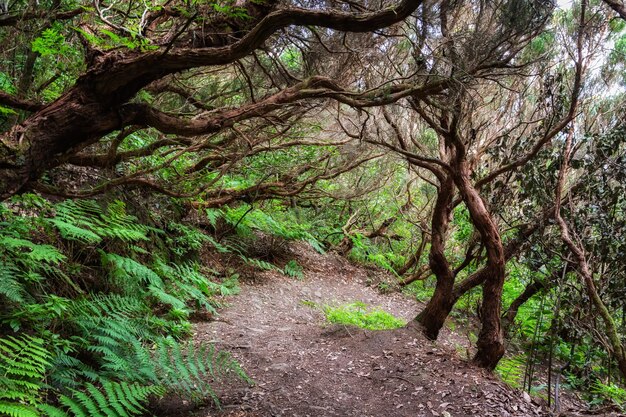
11	20
18	103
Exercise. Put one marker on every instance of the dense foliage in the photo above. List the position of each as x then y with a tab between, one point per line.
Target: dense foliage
474	150
100	307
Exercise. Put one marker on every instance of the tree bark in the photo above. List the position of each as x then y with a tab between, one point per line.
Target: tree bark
433	317
491	338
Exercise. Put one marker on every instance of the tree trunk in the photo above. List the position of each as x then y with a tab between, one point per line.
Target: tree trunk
478	278
490	339
45	138
617	349
439	306
434	315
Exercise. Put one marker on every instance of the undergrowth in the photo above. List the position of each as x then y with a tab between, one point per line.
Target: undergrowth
95	304
608	393
258	237
95	307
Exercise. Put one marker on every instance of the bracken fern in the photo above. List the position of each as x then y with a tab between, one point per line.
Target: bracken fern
23	363
103	353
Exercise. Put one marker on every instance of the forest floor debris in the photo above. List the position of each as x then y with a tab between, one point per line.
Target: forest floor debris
303	366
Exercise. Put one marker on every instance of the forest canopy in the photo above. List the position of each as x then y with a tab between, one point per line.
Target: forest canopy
473	149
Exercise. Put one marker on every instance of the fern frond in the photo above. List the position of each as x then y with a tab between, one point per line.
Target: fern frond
118	404
23	363
84	403
10	287
23	356
114	399
213	215
293	269
511	370
17	410
166	298
90	220
101	400
51	411
195	366
218	246
123	268
70	231
184	239
68	371
116	223
315	244
259	263
37	252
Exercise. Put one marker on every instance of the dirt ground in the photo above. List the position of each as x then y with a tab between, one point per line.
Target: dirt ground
304	367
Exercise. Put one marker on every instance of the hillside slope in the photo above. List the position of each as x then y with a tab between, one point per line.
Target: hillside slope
304	367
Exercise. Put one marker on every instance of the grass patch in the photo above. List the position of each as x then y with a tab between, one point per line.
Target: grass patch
358	314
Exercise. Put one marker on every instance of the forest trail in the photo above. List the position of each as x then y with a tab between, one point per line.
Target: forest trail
304	367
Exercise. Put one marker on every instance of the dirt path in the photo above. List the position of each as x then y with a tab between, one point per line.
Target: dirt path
303	367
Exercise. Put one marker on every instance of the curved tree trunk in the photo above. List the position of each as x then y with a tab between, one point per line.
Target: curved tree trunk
490	339
439	306
74	121
478	278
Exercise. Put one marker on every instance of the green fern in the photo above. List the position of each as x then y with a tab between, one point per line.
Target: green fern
213	215
80	213
111	316
115	329
35	252
185	239
23	363
112	399
129	273
293	269
259	263
218	246
511	370
315	244
166	298
86	221
190	282
178	368
10	287
609	393
70	372
72	232
119	348
116	223
185	369
17	410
